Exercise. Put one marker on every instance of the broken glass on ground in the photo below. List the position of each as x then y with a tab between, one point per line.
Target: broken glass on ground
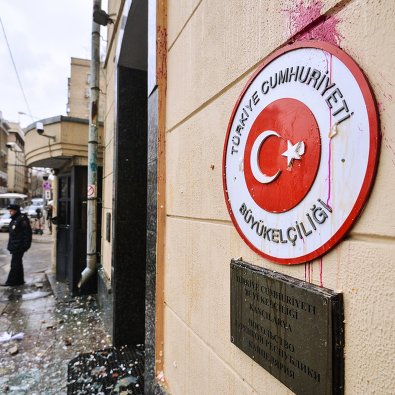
52	336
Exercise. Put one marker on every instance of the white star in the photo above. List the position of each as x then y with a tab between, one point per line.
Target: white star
294	151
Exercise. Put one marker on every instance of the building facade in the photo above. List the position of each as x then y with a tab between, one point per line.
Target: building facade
79	91
62	146
173	75
18	173
4	127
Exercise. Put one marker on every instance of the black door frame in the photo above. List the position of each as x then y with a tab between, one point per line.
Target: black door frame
63	219
133	275
130	209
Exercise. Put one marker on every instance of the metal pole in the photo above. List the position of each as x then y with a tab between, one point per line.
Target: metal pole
92	152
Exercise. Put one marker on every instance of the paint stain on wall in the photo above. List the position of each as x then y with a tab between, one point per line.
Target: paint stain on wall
389	144
309	272
307	23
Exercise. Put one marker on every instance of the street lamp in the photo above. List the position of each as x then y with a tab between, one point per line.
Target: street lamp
28	115
24	122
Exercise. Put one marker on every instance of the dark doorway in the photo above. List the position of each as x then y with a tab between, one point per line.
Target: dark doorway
63	229
72	224
130	209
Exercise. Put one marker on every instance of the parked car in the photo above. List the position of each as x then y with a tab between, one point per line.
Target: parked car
31	210
37	201
5	220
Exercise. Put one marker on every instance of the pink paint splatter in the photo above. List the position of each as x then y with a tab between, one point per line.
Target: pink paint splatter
306	265
307	272
388	143
307	23
381	106
321	280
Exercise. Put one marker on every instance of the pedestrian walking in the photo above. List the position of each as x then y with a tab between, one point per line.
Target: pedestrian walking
49	217
20	240
38	222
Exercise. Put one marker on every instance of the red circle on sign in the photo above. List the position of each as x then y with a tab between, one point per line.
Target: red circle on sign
294	154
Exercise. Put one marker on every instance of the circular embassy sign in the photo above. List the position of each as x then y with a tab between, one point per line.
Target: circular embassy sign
300	152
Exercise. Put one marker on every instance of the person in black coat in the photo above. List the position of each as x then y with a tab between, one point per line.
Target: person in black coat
20	240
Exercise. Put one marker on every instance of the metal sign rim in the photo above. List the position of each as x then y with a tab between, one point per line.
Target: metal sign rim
374	142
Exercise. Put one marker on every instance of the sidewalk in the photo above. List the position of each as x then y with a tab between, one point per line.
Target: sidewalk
56	328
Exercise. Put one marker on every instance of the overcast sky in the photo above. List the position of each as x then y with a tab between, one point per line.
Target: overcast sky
43	36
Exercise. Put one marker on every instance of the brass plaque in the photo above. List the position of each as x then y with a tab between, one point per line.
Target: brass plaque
291	328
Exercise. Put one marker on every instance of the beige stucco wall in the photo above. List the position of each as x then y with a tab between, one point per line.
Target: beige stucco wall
17	174
213	48
109	129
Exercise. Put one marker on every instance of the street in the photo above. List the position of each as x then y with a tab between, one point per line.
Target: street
49	330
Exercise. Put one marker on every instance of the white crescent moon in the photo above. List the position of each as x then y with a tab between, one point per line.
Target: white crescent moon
254	158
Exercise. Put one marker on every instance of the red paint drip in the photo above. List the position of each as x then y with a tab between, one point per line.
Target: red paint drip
305	271
321	280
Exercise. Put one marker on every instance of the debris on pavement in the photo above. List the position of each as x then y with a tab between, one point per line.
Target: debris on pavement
35	295
44	333
5	337
109	371
50	325
13	350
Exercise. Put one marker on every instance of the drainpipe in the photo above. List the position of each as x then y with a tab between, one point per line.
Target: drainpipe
91	253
